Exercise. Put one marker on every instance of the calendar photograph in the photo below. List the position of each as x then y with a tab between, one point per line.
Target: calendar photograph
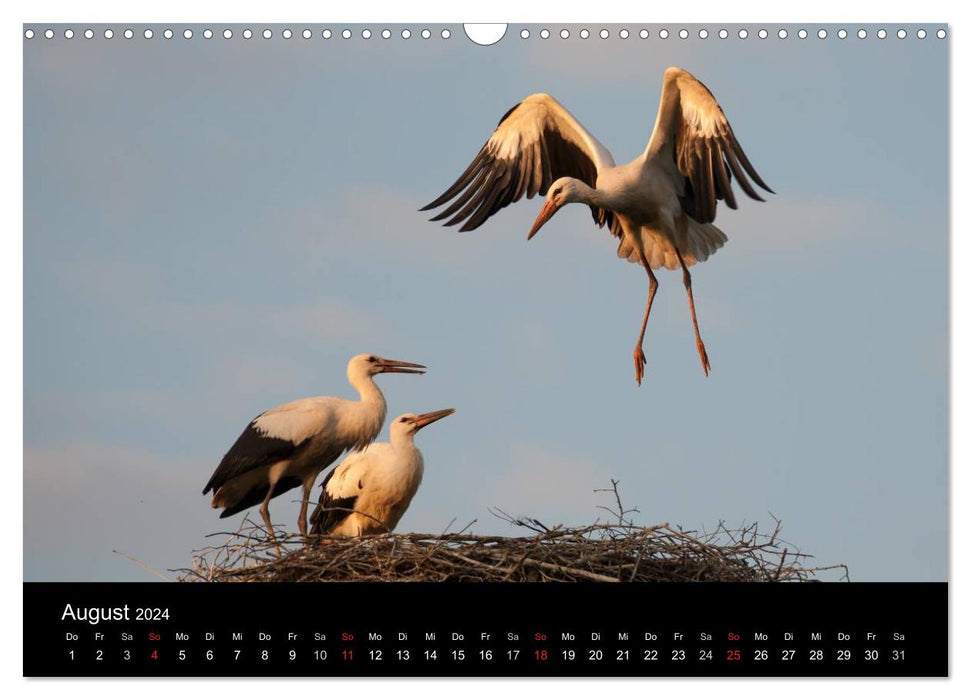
528	306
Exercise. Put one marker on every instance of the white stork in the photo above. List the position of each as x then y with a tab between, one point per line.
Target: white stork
289	445
370	490
660	205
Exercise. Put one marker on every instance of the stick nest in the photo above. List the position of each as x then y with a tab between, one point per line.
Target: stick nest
605	552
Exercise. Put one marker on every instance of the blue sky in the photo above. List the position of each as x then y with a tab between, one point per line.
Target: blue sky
213	227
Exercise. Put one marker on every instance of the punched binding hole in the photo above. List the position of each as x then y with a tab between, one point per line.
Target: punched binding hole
486	34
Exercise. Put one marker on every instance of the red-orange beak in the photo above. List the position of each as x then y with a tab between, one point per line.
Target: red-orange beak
429	418
545	214
401	367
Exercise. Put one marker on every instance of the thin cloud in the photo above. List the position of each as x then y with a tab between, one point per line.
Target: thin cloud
552	487
100	276
623	60
381	226
94	498
323	319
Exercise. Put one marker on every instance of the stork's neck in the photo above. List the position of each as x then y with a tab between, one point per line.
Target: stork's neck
590	195
362	424
369	391
402	440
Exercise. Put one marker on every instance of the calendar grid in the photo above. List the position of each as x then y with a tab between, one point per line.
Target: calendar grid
486	630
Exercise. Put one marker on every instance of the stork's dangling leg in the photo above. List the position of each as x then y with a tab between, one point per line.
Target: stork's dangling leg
639	359
265	512
705	365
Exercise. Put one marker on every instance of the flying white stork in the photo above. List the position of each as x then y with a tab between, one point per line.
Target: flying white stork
370	490
660	205
289	445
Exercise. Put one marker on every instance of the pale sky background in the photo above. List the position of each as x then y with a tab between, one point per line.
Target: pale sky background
213	227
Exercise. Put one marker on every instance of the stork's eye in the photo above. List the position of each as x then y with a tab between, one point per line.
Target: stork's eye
372	359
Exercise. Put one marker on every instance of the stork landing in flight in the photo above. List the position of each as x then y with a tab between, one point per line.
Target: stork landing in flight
289	445
370	490
660	205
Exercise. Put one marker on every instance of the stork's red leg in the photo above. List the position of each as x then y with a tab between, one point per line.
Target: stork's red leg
639	359
302	517
265	512
702	353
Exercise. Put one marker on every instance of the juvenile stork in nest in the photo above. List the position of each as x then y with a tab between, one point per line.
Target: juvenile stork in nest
289	445
661	205
370	490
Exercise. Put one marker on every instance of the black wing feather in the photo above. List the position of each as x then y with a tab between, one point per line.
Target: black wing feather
252	449
707	164
493	182
330	512
724	179
704	148
256	495
605	217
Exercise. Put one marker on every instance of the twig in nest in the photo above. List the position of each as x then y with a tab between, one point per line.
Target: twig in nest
529	523
621	511
141	564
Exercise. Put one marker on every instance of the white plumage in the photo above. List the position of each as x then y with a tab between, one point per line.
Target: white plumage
289	445
660	205
370	490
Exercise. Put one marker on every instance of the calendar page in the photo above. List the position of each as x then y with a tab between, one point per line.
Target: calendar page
485	350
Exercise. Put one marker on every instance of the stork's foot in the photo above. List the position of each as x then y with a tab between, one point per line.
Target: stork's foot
272	536
703	354
276	544
639	362
306	536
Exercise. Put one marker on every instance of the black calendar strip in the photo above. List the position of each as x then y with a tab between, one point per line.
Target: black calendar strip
395	629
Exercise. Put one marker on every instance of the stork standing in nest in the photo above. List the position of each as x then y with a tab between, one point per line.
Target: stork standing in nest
289	445
661	205
370	490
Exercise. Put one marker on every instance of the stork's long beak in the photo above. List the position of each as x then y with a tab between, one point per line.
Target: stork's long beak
429	418
545	214
401	367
